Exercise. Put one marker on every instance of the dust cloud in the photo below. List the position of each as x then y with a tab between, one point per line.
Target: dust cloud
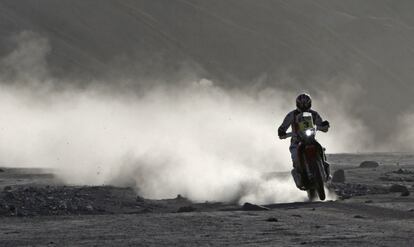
192	138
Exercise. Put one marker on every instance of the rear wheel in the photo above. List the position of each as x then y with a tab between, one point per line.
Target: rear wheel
311	194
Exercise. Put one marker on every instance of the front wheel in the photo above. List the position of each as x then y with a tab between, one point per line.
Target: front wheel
320	186
314	164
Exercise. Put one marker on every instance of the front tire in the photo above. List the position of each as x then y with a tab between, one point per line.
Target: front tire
320	185
316	183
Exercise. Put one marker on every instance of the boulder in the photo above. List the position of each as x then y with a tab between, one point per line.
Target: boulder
405	193
369	164
146	210
139	199
338	176
253	207
403	171
186	209
180	197
398	188
272	219
345	196
7	188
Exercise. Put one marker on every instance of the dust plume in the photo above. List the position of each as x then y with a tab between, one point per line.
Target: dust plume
192	137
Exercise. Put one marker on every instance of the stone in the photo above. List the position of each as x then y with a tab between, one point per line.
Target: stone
398	188
405	193
253	207
338	176
272	219
140	199
180	197
186	209
369	164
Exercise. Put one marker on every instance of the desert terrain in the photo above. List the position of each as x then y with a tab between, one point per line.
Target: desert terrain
183	95
370	211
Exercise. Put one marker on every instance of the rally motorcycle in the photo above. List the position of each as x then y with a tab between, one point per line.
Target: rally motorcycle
311	158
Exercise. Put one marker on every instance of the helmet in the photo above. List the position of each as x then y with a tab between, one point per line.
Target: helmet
303	102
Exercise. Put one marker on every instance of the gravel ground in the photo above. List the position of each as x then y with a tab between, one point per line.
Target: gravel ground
36	211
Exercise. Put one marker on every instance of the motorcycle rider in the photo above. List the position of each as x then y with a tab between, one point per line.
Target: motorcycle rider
303	104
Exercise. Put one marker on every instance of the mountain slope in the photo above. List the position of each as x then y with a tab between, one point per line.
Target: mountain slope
295	45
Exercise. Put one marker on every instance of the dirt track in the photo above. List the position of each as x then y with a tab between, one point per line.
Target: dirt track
328	223
371	219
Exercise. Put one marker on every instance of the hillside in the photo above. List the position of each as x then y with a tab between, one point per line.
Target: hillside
296	45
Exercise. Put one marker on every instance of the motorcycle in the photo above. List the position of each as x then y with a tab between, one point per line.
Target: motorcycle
311	157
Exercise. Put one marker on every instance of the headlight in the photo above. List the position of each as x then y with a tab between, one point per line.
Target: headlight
309	132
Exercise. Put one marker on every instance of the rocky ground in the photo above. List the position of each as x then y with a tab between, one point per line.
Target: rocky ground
375	208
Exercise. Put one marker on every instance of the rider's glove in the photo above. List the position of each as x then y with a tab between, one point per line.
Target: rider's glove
325	124
281	132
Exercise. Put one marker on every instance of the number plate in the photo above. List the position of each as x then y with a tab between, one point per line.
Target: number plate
305	122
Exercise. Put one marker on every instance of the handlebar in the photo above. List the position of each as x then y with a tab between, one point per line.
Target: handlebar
290	134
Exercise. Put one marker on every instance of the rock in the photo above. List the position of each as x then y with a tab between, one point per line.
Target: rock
7	188
405	193
1	170
180	197
89	207
369	164
253	207
12	210
186	209
398	188
140	199
345	196
358	217
20	213
403	171
9	196
146	210
368	201
272	219
338	176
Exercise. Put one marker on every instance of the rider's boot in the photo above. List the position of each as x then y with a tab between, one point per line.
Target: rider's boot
327	170
326	165
297	177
